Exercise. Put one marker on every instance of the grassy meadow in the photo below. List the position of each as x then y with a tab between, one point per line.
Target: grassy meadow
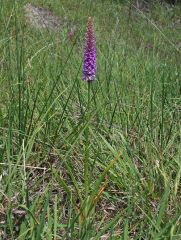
90	161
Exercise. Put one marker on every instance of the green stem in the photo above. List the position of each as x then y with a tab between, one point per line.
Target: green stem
86	163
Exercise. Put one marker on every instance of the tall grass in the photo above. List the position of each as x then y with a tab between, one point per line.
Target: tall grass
97	163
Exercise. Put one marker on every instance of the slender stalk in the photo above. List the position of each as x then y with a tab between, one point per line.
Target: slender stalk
87	153
162	114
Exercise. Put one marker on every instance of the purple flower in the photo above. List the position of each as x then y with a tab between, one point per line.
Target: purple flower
89	65
70	35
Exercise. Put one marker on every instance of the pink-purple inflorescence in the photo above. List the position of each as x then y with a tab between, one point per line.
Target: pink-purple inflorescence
89	64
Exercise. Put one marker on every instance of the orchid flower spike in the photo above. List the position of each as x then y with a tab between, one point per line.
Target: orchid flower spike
89	64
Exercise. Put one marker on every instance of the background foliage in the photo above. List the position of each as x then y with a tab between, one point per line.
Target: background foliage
127	137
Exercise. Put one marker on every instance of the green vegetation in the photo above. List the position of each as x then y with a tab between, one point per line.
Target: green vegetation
107	167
